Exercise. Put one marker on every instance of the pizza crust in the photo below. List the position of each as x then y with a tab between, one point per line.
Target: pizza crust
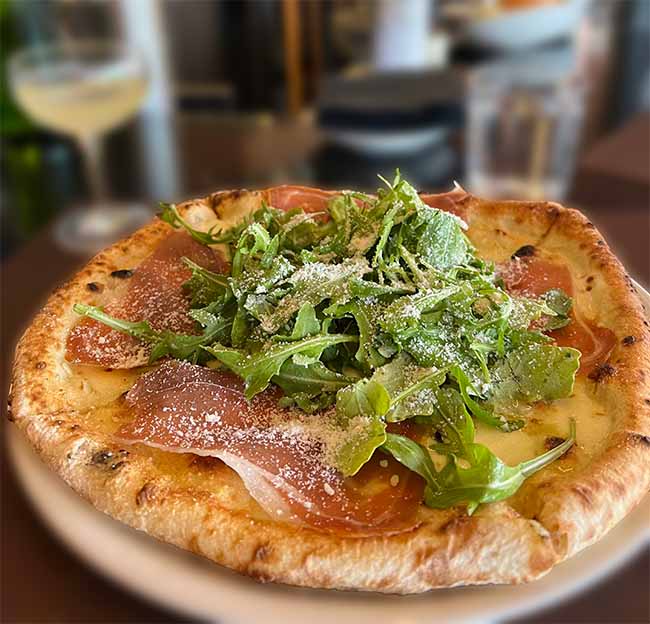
69	414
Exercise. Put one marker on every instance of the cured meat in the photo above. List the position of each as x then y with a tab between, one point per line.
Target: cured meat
281	455
154	293
314	200
594	342
309	199
533	276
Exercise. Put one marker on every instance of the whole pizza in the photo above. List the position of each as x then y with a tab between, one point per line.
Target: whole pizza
390	392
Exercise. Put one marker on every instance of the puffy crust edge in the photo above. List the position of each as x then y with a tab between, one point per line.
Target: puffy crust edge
496	545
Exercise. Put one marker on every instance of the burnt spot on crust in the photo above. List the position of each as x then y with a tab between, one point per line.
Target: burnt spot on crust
262	553
639	438
525	252
628	340
40	365
122	273
601	372
590	279
145	494
109	460
95	287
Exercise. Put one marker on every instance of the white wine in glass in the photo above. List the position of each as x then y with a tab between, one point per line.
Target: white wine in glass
83	89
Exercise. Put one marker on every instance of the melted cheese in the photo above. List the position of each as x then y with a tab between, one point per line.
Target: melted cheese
552	420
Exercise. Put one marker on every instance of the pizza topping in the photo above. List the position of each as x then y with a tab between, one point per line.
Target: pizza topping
154	294
536	276
279	454
302	197
370	313
594	342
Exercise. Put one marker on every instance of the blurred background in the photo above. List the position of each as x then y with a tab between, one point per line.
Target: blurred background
109	106
112	105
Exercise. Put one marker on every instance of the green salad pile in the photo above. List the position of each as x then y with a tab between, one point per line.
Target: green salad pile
376	311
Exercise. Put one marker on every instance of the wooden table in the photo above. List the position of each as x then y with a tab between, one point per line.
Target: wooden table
43	582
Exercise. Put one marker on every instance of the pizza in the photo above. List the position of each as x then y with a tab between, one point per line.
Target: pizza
392	392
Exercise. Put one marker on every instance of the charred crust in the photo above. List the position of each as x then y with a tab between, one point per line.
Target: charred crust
106	458
95	287
122	273
601	372
524	252
262	552
639	438
628	340
145	494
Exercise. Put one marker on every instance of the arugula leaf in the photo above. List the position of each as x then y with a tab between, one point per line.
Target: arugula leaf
306	324
366	354
486	480
412	455
169	214
258	369
359	408
537	372
560	303
313	283
411	388
165	343
204	285
436	238
310	380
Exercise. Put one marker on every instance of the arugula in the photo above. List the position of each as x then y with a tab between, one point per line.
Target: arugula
204	285
165	343
169	214
373	311
486	479
257	369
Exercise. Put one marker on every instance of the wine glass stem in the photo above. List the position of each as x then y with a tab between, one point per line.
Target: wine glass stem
91	150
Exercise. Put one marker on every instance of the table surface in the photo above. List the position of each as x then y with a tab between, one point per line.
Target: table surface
43	582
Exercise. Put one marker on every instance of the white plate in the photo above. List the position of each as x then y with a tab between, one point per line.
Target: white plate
525	28
196	587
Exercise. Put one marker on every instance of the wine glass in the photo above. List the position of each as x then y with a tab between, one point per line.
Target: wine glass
83	88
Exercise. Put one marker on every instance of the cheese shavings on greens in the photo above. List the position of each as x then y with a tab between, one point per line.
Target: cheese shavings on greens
379	311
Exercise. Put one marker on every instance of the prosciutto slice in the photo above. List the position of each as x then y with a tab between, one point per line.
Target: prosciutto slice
309	199
153	293
279	454
533	276
313	200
